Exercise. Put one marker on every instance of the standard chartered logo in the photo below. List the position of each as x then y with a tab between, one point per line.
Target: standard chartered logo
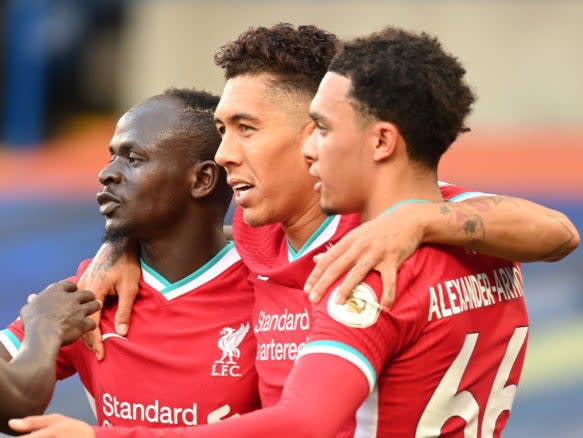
155	412
280	336
282	322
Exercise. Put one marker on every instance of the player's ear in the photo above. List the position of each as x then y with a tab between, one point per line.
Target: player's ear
386	137
203	178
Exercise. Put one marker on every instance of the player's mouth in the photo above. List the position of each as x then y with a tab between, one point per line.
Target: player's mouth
242	191
108	202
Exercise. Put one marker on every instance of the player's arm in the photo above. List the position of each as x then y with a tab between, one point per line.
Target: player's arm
56	316
502	226
115	270
313	404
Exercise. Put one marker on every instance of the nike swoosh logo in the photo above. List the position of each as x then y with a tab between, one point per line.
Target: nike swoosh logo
261	277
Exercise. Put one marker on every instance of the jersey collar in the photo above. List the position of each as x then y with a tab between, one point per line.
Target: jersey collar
223	260
325	231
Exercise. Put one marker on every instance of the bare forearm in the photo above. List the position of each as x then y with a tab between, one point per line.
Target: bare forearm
27	382
506	227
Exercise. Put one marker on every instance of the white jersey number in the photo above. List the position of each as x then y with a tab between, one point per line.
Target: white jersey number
446	402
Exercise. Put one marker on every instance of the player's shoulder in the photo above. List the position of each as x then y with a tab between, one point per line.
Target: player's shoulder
455	193
430	263
361	308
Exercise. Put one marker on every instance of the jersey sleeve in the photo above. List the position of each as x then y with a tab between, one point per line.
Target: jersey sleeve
13	336
454	193
360	332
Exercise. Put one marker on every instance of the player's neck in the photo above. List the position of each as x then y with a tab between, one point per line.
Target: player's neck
392	188
300	227
178	254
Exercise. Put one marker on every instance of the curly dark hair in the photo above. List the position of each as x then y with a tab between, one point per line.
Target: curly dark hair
408	79
198	133
298	58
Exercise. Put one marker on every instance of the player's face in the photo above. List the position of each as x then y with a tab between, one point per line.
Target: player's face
145	184
263	131
337	150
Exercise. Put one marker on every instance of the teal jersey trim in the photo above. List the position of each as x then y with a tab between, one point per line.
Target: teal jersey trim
465	195
154	274
345	351
297	254
401	203
169	287
13	338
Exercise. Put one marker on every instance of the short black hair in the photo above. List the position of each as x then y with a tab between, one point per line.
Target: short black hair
409	80
197	129
297	57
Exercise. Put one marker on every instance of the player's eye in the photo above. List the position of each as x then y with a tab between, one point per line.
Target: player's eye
321	128
221	130
134	158
246	129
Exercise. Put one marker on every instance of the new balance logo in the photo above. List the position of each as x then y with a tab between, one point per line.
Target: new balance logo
229	345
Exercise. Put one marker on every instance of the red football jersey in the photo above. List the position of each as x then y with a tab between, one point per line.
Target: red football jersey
282	312
446	359
189	355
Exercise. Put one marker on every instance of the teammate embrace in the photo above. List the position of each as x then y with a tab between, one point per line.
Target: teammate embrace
370	121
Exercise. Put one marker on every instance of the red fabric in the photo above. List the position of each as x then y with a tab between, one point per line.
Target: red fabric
321	394
168	370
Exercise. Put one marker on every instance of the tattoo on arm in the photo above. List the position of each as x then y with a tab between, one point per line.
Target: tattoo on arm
500	199
444	209
106	261
474	226
470	226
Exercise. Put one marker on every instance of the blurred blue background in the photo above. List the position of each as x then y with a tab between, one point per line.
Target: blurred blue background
69	66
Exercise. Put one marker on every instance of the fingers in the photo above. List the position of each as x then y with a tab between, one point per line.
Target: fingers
67	285
388	276
352	279
91	307
335	267
85	296
322	261
126	297
92	339
89	325
29	424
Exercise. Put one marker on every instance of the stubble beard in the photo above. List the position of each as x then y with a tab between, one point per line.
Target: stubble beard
115	234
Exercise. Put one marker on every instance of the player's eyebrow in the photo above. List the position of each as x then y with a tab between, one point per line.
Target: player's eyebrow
317	117
123	148
238	117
